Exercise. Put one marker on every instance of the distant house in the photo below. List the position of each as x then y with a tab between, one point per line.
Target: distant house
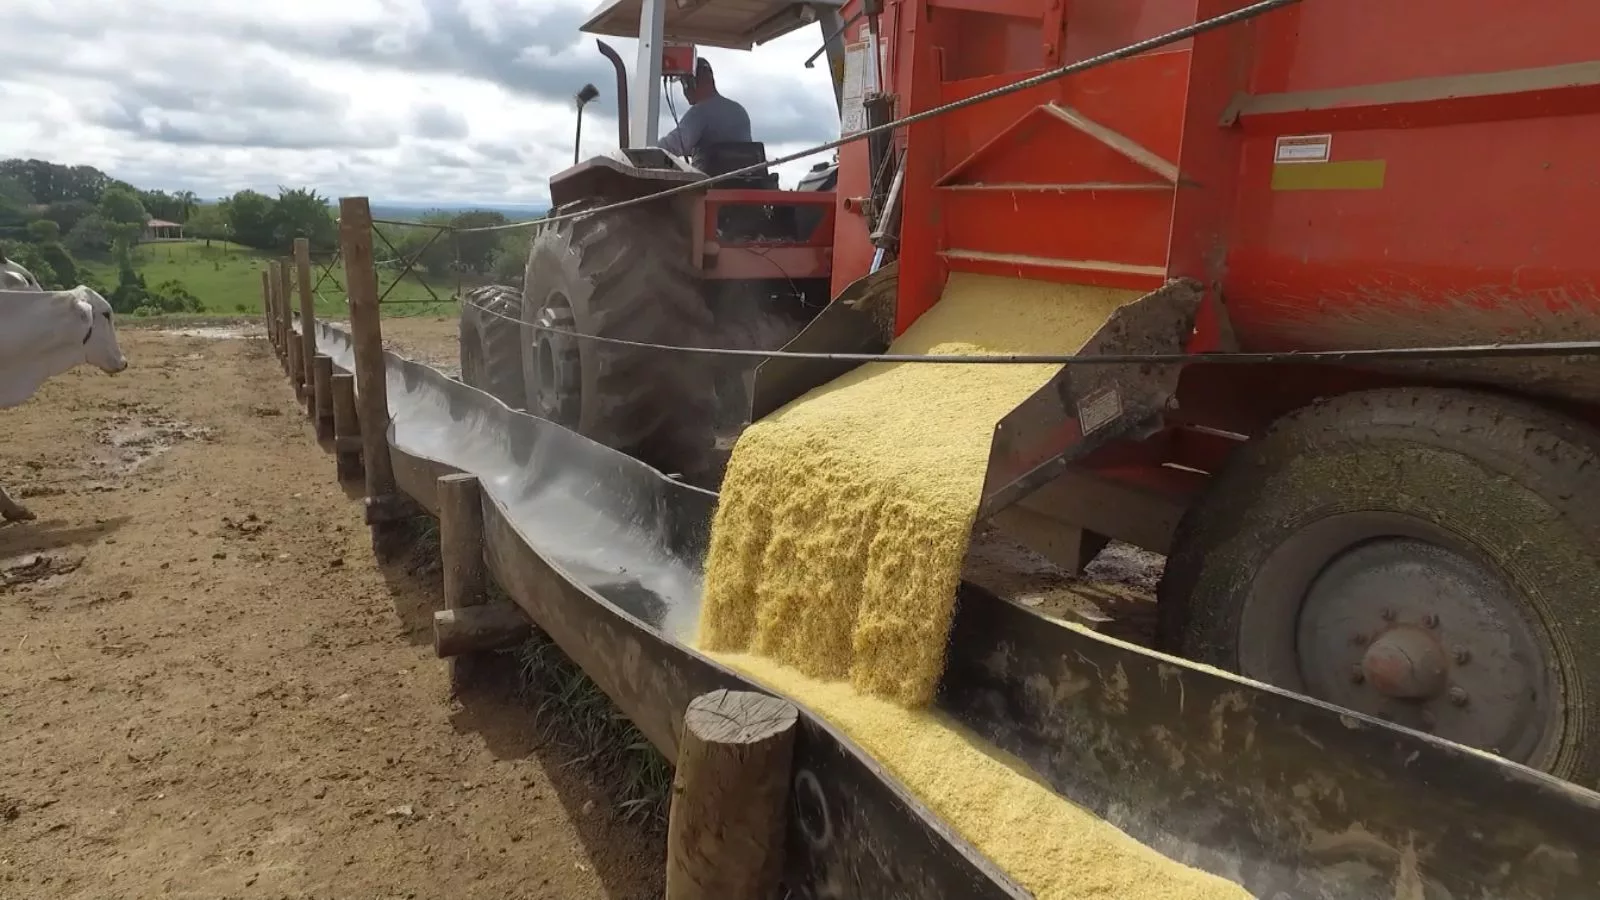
162	230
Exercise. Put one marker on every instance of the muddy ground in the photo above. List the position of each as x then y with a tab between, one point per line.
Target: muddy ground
209	689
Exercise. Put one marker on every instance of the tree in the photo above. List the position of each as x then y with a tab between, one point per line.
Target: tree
252	217
13	194
14	203
301	213
122	206
186	203
68	213
476	250
61	263
209	222
435	255
44	231
162	205
91	236
47	182
29	257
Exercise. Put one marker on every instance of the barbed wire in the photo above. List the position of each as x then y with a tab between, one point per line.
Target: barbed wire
1172	37
1464	351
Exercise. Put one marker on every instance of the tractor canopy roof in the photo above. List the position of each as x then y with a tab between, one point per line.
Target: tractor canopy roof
734	24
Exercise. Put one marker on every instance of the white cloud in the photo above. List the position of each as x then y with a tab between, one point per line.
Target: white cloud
450	101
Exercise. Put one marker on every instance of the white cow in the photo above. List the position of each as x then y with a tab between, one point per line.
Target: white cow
44	333
13	277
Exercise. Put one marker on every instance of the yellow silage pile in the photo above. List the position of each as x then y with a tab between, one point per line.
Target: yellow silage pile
835	554
844	516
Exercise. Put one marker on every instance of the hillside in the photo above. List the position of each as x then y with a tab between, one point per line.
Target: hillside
76	224
225	279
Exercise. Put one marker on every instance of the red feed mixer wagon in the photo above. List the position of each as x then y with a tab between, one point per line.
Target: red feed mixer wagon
1417	539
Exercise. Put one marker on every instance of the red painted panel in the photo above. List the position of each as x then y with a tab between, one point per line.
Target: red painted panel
1478	231
1011	268
1127	227
1106	94
1099	26
1313	45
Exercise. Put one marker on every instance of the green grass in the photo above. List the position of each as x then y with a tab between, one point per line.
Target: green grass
227	280
573	713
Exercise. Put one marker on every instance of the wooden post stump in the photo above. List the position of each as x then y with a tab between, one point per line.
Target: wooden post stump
730	797
308	323
372	391
346	429
459	634
466	579
322	389
294	367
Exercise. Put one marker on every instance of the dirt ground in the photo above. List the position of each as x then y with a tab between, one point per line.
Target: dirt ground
209	689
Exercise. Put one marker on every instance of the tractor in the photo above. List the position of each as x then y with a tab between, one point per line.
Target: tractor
741	264
1411	539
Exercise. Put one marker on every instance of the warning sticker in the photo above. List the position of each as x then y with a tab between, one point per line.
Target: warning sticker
853	115
1304	148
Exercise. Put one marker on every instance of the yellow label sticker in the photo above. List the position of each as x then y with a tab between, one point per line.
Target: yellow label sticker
1353	175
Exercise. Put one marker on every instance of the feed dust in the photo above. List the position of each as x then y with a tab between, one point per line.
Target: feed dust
835	554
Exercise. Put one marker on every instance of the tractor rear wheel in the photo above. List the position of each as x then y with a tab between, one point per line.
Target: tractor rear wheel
491	343
625	275
1424	556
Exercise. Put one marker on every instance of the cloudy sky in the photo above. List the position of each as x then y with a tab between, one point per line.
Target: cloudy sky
400	100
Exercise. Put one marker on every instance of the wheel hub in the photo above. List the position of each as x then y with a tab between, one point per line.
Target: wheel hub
1407	664
558	395
1401	621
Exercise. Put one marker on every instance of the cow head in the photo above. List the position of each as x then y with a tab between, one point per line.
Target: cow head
100	346
14	277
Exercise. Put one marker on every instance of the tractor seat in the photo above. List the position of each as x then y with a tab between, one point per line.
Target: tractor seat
719	159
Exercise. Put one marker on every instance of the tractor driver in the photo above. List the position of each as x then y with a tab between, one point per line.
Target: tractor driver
710	119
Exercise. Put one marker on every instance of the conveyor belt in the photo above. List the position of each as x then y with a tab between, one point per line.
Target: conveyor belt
1287	796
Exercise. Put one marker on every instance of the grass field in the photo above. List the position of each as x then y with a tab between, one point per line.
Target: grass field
227	280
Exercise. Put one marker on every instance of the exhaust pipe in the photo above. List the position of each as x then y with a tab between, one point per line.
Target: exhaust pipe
610	53
583	98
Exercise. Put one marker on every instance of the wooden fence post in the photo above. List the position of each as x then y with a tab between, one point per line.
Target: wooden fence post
271	275
280	303
730	797
266	307
384	505
322	392
346	428
286	320
308	323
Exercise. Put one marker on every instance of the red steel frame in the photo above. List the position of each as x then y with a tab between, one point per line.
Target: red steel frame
1456	202
810	258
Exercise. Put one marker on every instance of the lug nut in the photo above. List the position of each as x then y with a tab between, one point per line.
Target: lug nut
1458	696
1430	620
1462	656
1428	721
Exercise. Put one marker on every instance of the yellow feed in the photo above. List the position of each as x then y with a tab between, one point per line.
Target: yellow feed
843	518
835	553
1051	847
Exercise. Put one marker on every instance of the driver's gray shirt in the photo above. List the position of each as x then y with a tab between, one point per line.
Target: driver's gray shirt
714	120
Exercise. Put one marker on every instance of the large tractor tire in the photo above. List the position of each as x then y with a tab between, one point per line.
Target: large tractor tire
491	343
625	275
1426	556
